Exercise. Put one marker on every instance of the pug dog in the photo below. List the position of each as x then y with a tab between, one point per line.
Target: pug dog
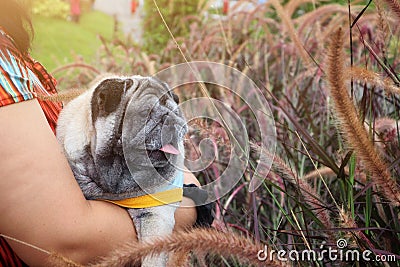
123	139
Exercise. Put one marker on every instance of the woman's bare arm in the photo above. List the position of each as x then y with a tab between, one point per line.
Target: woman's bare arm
40	201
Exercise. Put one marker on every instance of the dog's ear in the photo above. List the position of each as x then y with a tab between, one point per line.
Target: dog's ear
107	96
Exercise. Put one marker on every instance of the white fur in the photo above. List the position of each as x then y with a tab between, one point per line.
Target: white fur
73	137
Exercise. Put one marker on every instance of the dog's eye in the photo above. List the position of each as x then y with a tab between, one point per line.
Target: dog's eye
163	100
176	98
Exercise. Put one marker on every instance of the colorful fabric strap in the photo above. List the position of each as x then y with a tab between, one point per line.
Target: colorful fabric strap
169	194
22	78
15	78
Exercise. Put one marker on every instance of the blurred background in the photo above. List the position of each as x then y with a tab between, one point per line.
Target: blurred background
71	30
283	46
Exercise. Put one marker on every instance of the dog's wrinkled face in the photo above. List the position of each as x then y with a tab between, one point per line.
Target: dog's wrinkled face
138	133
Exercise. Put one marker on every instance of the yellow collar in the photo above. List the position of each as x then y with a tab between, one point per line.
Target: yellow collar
153	200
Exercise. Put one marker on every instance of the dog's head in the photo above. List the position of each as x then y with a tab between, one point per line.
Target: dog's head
138	132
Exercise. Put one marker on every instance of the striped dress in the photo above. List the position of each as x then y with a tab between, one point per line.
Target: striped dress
21	79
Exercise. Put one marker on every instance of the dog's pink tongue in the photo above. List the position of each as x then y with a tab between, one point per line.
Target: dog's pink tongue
168	148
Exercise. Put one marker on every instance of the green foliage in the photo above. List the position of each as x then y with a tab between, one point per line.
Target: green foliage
175	12
50	8
58	42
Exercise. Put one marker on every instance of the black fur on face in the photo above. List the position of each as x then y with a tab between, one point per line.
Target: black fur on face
161	122
162	128
151	119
